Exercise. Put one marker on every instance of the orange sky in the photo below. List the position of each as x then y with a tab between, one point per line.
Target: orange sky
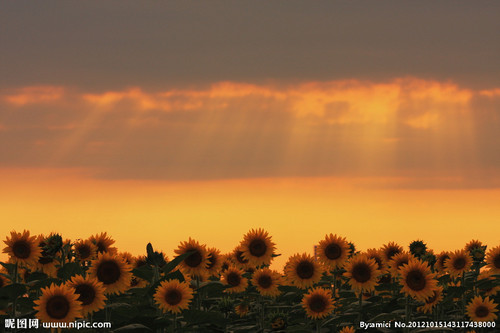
375	162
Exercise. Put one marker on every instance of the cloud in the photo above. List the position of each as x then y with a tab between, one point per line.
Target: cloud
429	133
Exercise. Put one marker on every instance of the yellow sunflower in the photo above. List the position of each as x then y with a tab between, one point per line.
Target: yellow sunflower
58	304
215	261
85	250
482	309
333	251
493	260
112	271
473	244
348	329
90	293
377	256
459	262
362	273
441	260
22	248
303	271
417	279
234	279
196	263
47	262
242	309
257	247
103	243
137	262
398	261
267	281
432	301
318	303
487	275
173	296
389	250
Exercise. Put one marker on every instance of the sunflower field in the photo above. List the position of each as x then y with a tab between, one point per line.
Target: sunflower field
336	289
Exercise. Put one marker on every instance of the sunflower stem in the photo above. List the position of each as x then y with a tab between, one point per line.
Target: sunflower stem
317	326
360	306
463	295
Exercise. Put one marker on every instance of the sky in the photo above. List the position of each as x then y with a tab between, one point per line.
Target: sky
160	121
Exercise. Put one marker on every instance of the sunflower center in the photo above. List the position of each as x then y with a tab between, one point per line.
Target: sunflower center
173	297
333	251
482	311
101	247
305	270
317	303
233	279
87	293
257	247
415	280
241	259
265	281
21	249
194	260
211	261
83	251
459	263
361	272
496	261
57	307
108	272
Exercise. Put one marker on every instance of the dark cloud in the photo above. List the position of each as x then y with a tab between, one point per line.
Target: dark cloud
112	44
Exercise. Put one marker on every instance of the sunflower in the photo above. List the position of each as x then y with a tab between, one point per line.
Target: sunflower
112	271
389	250
103	243
267	281
173	296
127	257
487	275
90	293
196	263
22	248
47	262
398	261
417	279
318	303
432	301
303	271
58	304
257	247
214	262
441	260
333	251
459	262
362	273
482	309
137	282
242	309
493	260
85	250
377	256
473	244
418	248
234	279
348	329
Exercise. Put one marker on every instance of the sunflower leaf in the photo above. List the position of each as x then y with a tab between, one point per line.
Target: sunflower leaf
176	261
